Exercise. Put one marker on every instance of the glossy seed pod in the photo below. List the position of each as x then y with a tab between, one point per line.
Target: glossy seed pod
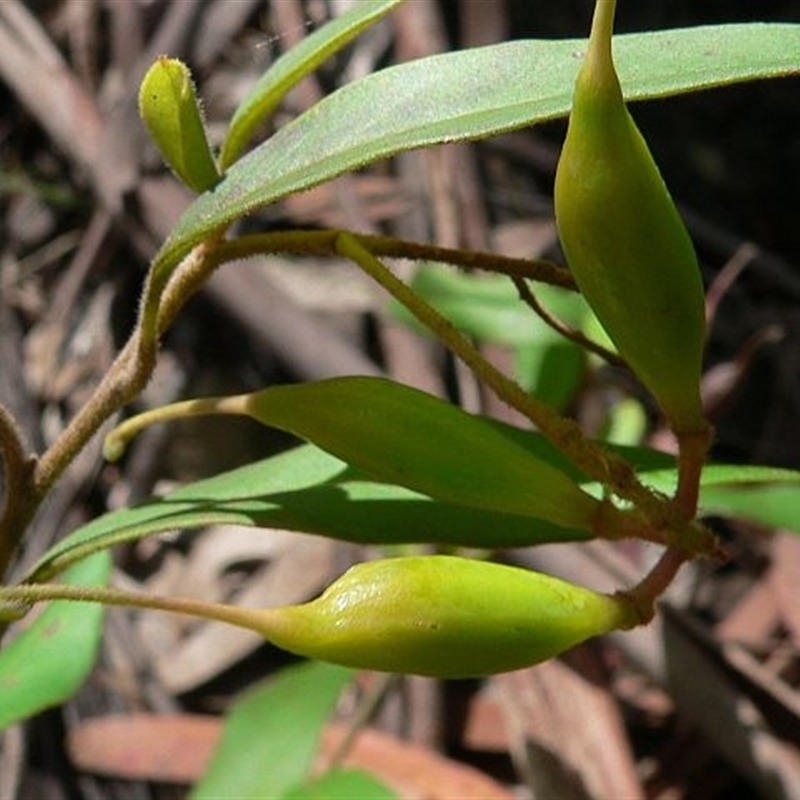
170	110
442	616
624	240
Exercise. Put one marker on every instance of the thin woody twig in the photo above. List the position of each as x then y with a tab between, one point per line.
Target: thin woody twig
530	299
323	242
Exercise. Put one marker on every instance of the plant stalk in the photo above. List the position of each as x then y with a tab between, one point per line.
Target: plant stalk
566	434
27	594
323	242
692	451
123	382
602	30
117	440
645	594
560	327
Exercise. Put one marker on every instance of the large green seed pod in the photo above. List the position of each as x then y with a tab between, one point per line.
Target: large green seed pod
442	616
625	242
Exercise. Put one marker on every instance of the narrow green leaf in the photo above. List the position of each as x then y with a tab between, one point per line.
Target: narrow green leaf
292	67
305	489
403	436
46	664
766	495
470	95
343	784
489	308
271	735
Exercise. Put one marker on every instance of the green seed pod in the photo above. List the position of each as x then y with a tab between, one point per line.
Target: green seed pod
399	435
625	242
169	107
402	435
442	616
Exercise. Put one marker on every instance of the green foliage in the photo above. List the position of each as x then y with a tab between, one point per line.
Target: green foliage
271	738
470	95
34	674
305	489
292	67
403	436
387	464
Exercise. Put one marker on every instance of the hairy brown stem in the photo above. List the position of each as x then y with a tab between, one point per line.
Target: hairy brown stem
18	471
123	382
530	300
316	242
